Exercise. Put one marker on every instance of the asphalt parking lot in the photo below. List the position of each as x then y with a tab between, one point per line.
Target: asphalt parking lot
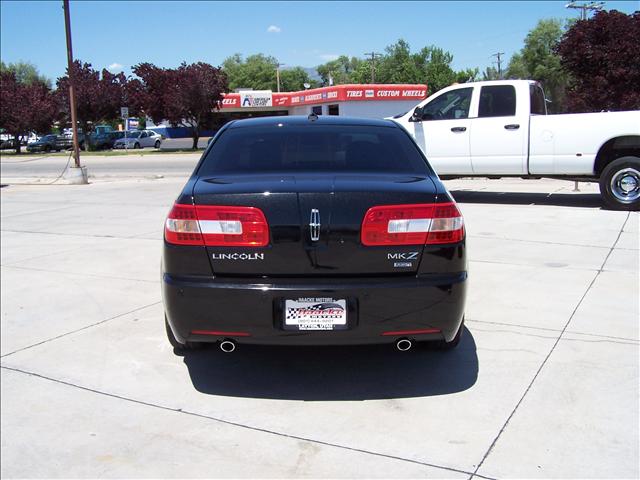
545	382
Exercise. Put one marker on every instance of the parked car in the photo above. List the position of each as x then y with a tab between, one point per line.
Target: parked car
46	143
313	231
65	141
139	139
7	144
501	128
104	140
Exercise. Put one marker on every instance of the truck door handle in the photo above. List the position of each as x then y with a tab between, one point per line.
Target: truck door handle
512	126
459	129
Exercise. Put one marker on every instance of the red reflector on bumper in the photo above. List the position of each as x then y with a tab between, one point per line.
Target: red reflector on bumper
411	332
219	333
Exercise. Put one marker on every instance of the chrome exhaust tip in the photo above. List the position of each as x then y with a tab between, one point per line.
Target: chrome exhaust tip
404	344
227	346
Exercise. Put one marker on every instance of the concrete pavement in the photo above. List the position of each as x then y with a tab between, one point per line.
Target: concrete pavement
544	383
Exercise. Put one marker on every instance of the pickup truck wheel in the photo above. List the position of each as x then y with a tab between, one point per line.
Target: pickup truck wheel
620	184
177	346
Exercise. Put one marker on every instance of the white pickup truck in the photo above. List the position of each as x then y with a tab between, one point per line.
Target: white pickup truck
501	128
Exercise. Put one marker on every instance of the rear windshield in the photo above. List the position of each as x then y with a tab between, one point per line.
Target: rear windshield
322	148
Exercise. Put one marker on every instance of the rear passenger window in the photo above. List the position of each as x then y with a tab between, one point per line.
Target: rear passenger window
328	148
538	104
497	101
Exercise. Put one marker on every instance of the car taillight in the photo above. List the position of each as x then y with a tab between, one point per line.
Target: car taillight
214	225
421	224
181	227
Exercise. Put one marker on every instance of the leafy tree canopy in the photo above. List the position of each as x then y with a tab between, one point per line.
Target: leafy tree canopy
256	71
538	60
340	70
603	57
25	72
99	95
25	107
186	96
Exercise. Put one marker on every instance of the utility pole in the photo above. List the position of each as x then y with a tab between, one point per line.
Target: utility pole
373	56
278	65
585	7
499	62
72	93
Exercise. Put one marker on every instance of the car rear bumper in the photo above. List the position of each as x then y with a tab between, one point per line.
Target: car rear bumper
251	310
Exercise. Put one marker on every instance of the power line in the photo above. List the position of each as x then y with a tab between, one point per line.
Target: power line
585	7
498	55
373	56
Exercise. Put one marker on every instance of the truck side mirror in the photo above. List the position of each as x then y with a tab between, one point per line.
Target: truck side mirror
417	115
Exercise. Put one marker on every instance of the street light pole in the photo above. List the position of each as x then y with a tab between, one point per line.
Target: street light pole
278	65
72	93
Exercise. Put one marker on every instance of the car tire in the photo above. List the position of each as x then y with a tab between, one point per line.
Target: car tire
157	145
136	145
620	184
47	148
177	346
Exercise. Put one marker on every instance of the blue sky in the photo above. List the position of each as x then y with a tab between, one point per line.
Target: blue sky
121	34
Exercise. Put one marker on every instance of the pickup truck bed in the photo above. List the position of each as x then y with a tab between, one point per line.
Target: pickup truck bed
501	128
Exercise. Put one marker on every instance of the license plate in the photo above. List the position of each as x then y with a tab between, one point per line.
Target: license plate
315	313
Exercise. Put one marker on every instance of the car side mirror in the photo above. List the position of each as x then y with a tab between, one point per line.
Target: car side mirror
417	115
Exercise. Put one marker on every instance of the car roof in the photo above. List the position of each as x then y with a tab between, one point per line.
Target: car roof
317	120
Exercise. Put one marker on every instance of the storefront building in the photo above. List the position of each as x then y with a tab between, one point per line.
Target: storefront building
367	100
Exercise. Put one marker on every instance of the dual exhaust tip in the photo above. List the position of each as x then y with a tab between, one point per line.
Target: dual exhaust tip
404	344
228	346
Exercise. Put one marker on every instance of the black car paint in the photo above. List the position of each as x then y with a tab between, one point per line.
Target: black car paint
201	293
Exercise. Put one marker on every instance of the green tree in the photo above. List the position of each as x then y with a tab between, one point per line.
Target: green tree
341	70
26	73
293	79
490	73
517	68
439	73
256	71
538	60
398	65
467	75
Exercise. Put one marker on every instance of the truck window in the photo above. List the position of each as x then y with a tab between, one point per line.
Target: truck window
449	106
538	104
497	101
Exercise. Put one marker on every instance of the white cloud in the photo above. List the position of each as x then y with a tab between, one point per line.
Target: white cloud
274	29
327	57
114	66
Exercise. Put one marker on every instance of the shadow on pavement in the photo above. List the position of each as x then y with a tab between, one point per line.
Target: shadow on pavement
333	373
587	200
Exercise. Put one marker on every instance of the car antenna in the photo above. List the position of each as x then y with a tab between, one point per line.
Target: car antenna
313	117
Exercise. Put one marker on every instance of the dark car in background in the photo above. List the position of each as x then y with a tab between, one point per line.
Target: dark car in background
104	140
314	231
65	142
47	143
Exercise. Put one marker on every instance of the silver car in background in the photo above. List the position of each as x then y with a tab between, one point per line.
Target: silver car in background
139	139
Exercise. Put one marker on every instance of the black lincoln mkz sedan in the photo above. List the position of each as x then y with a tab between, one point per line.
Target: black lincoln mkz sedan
313	231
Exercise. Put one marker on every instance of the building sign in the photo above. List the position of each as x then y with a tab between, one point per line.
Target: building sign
255	99
338	93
